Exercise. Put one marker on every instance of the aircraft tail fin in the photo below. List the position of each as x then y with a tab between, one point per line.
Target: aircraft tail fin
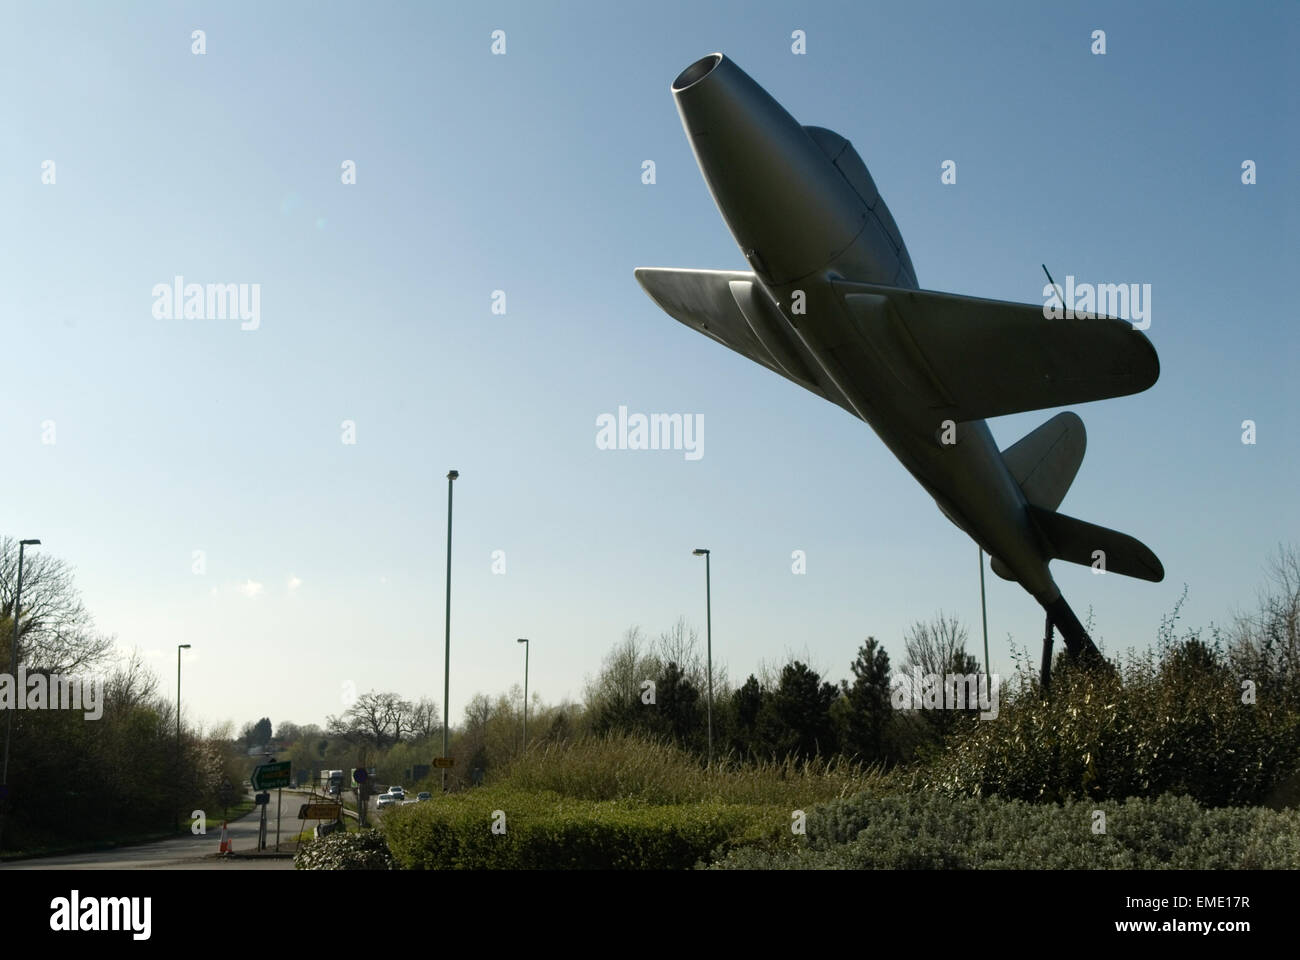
1046	460
1091	545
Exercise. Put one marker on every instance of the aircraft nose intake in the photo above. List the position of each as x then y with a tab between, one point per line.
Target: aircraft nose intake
697	71
781	197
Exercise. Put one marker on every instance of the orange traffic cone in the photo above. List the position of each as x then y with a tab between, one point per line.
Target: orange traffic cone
225	840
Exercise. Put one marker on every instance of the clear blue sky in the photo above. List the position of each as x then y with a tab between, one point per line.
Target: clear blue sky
522	173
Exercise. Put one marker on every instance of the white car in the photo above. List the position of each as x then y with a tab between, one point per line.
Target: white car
385	800
397	792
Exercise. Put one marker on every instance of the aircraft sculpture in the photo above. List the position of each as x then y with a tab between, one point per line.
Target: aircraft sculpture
832	303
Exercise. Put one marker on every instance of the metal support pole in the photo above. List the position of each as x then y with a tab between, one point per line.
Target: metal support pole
446	675
1045	677
984	618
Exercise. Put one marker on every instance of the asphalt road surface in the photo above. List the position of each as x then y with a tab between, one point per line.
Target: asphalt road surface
189	852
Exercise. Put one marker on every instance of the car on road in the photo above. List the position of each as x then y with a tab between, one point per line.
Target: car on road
397	792
385	800
423	795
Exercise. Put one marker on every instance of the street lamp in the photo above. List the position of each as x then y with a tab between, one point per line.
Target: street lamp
524	641
708	601
446	675
179	648
13	663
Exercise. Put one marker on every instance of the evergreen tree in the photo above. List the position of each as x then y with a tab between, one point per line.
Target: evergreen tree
869	709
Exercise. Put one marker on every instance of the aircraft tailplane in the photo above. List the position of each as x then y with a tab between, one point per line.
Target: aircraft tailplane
1103	549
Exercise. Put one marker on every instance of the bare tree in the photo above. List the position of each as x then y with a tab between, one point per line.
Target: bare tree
937	646
626	667
58	633
375	718
680	644
425	719
131	685
1266	642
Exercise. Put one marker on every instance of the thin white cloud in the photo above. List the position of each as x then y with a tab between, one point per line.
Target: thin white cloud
294	582
250	589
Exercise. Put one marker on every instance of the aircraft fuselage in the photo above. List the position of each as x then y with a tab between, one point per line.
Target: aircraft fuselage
809	220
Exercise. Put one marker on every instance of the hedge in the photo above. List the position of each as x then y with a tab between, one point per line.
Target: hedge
545	831
919	831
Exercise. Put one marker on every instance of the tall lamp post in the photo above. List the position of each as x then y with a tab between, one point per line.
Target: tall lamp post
13	663
446	660
179	648
524	641
708	607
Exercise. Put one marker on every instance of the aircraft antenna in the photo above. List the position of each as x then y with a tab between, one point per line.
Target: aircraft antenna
1059	294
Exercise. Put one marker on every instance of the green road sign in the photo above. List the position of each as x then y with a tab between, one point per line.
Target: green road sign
271	775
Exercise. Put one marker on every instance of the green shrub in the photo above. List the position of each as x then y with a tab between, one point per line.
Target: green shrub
916	831
545	831
624	766
1170	721
345	851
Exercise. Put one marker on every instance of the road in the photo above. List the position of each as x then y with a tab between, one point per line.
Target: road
189	852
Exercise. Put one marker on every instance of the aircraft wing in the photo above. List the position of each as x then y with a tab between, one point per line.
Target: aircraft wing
731	307
967	358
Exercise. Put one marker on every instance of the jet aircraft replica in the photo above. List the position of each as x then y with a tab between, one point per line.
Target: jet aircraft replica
832	303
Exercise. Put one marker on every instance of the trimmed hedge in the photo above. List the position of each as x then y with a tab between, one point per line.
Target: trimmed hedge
545	831
917	831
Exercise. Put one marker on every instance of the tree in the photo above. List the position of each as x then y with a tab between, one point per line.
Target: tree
260	735
424	720
680	644
58	634
746	703
868	707
796	720
374	718
560	729
680	714
1265	644
938	648
614	697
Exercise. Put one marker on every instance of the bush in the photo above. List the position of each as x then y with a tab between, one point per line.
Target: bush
916	831
345	851
1170	721
624	766
545	831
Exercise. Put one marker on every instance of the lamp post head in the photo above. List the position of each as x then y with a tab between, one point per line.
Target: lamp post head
28	543
182	646
453	474
522	640
700	552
